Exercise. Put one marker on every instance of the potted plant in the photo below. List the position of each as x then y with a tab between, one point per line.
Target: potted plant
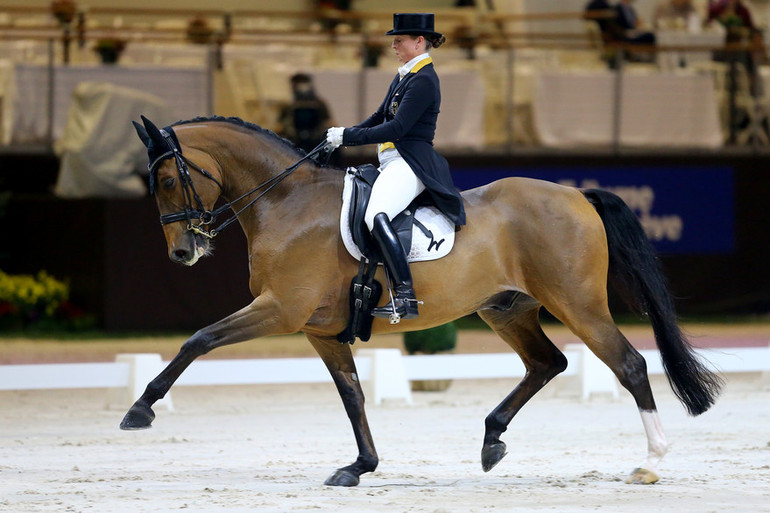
109	49
64	11
199	31
441	339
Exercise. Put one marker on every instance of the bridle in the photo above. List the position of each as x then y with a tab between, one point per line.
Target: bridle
193	205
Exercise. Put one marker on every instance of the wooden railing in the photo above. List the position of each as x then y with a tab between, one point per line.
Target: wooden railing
500	32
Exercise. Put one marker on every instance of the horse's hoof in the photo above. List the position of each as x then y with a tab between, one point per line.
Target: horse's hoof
139	416
342	478
491	455
642	476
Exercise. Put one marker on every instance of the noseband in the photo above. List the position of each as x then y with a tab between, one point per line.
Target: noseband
193	206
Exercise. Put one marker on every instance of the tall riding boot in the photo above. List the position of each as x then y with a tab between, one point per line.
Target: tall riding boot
404	304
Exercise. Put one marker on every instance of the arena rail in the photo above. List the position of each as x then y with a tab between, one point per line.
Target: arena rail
385	373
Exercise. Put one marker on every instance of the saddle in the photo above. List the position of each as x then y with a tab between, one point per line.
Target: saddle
365	291
363	180
423	230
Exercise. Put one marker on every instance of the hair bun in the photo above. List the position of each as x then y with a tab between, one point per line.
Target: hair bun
438	41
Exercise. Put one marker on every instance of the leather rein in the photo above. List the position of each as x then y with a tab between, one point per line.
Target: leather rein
193	207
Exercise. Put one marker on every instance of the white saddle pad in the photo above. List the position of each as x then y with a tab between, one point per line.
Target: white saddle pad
423	247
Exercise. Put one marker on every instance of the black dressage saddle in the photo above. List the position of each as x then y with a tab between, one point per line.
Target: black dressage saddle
365	291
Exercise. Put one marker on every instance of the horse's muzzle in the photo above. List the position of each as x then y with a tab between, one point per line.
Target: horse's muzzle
188	253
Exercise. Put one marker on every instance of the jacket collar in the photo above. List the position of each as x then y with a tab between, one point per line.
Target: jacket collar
415	65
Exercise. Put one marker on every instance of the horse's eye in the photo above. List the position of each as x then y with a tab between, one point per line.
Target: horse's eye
168	183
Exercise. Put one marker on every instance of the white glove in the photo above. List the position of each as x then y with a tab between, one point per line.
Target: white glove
334	136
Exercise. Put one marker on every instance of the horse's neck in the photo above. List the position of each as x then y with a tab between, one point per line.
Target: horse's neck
308	189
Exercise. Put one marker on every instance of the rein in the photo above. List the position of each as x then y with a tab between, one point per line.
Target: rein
198	212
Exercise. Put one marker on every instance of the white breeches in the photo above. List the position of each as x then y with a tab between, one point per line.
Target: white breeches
394	189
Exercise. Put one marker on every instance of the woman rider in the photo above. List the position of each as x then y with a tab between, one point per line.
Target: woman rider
404	126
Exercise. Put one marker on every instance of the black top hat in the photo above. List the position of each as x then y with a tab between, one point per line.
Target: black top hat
413	24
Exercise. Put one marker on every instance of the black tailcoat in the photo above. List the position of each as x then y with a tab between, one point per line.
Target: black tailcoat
407	118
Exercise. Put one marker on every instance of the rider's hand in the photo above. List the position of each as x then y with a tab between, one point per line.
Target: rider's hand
334	136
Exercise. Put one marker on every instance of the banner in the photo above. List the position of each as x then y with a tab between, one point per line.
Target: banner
682	209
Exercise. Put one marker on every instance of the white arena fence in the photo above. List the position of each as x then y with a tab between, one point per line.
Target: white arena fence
384	373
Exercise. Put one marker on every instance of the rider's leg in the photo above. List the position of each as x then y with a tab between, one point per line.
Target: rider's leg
404	304
392	192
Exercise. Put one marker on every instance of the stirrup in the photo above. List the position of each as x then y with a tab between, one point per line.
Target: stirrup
394	313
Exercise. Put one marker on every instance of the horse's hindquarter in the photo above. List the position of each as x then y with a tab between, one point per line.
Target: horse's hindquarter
528	235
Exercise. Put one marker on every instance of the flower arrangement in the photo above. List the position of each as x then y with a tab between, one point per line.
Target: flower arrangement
38	302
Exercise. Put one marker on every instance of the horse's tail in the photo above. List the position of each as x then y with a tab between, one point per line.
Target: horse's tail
634	271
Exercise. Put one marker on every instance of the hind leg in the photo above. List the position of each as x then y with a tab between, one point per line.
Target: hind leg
604	338
521	330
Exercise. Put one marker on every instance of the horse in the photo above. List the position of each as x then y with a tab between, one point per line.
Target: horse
528	244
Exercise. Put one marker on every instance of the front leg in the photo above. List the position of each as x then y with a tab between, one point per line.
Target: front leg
339	360
261	318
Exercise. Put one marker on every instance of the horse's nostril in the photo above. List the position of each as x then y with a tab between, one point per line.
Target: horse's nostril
180	254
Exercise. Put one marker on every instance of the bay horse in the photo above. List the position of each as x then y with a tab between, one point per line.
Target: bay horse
528	244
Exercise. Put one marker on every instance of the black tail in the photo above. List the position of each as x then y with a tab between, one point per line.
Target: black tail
636	274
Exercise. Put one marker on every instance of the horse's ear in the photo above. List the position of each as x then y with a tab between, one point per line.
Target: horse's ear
142	133
153	132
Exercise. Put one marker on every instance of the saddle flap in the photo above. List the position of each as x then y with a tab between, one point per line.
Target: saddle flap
402	225
363	180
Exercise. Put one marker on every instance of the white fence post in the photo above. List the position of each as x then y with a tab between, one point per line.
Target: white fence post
387	375
595	377
142	368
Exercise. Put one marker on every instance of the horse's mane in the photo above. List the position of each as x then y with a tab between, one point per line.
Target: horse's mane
244	124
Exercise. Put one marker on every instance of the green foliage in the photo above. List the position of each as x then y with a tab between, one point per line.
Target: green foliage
38	303
433	340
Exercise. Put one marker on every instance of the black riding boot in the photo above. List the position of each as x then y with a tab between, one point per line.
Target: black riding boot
404	304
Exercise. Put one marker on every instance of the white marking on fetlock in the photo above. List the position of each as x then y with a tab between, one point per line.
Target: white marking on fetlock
657	446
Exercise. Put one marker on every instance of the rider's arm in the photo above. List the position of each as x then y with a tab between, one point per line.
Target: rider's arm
373	120
418	96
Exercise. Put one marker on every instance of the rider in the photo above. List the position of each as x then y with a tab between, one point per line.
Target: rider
404	126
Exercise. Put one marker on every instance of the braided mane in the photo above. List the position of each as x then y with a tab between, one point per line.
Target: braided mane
244	124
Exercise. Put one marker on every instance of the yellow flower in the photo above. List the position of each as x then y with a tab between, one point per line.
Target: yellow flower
43	292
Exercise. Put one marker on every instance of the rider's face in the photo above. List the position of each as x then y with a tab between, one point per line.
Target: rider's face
408	47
